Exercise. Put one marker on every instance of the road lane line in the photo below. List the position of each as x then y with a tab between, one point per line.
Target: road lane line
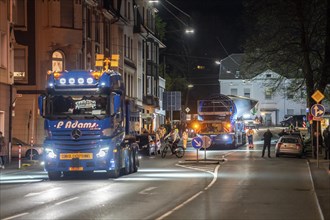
42	192
68	200
314	193
147	190
215	176
16	216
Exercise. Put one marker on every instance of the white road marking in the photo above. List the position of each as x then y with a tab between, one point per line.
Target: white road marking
215	176
42	192
16	216
68	200
147	190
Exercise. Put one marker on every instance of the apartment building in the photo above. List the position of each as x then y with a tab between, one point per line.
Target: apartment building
6	67
67	34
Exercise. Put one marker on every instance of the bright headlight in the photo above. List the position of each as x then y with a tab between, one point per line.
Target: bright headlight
102	152
50	153
225	137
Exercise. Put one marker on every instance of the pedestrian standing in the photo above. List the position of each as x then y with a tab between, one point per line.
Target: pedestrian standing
326	137
267	142
250	134
2	151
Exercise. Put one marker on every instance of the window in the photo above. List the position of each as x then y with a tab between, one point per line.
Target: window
247	92
290	94
290	111
268	93
106	36
3	51
97	29
20	67
303	111
233	91
57	61
88	22
67	13
20	16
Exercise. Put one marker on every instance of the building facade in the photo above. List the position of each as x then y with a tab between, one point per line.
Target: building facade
6	67
273	105
67	35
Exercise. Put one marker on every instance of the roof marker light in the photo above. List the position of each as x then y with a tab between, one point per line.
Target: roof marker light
62	81
57	75
71	81
90	80
81	80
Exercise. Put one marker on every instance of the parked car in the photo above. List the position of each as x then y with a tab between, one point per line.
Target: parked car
147	144
296	120
26	149
289	145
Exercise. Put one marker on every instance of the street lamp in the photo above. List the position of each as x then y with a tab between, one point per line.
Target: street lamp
219	62
188	30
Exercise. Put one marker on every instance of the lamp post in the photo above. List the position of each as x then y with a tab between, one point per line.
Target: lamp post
189	30
219	62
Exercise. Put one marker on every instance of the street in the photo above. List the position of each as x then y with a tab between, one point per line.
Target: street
241	186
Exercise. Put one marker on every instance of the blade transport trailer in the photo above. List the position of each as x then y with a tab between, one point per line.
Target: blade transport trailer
217	116
87	124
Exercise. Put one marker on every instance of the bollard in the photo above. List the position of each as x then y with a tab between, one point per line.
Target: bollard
19	156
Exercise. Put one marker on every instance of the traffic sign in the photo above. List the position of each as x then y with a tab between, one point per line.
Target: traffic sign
207	141
317	96
187	109
197	142
318	110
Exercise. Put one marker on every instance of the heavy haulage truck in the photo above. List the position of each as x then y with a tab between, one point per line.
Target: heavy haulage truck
87	124
219	118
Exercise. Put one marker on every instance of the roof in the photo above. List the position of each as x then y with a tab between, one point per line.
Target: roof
230	67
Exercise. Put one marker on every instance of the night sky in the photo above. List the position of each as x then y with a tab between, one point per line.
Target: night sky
219	32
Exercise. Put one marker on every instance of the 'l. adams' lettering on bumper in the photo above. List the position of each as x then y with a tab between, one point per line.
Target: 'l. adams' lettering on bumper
76	124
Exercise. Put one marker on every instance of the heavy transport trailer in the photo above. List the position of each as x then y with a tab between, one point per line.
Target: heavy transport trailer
219	117
86	122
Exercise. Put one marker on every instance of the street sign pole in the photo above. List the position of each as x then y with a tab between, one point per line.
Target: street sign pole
317	111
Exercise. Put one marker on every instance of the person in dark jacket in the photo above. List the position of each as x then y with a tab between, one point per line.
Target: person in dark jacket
267	141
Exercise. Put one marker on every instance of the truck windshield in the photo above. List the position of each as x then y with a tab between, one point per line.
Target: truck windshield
212	127
71	106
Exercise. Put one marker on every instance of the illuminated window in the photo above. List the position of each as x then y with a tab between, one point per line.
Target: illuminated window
57	61
20	67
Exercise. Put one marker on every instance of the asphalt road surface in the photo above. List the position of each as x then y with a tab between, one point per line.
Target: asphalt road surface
242	186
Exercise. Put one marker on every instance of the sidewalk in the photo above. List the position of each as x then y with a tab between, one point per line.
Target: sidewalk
26	166
321	181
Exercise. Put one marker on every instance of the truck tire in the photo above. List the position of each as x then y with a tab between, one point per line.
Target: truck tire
54	175
135	161
113	173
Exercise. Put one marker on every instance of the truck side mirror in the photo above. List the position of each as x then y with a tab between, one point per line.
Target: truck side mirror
116	103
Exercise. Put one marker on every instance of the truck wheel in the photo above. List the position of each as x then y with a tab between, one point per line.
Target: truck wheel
113	173
135	161
34	153
55	175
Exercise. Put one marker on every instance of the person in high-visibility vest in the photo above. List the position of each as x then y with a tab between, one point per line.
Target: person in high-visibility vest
184	139
250	134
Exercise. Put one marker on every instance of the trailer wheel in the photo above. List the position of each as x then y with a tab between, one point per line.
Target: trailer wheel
55	175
